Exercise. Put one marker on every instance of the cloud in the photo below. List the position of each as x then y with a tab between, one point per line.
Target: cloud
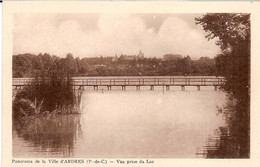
177	36
116	33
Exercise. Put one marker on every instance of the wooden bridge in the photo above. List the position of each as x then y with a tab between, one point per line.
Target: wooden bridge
123	82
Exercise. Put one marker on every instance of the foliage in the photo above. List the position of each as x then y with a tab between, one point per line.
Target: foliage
233	34
27	65
51	90
22	107
230	28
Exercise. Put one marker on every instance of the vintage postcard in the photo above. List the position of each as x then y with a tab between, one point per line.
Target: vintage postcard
130	83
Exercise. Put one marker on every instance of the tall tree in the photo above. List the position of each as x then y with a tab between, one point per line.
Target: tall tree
233	34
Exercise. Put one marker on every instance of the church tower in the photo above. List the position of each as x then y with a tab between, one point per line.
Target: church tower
140	55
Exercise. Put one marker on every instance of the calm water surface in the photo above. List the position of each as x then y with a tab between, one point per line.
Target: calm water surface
130	123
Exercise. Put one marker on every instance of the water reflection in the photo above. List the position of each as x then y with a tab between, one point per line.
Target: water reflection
220	145
145	124
55	135
229	140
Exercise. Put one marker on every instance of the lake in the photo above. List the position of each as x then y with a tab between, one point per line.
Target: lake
126	124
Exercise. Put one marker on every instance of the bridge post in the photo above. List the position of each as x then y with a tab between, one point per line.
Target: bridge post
163	87
95	87
182	87
198	88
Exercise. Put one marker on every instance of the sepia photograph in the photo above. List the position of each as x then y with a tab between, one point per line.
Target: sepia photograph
131	85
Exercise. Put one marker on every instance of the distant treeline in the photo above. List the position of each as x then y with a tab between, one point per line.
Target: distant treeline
28	65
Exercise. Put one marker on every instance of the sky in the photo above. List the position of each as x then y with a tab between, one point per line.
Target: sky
92	35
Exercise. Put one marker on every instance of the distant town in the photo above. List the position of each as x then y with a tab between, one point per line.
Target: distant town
129	57
27	65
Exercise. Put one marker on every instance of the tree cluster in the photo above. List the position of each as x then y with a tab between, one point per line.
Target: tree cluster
233	33
28	65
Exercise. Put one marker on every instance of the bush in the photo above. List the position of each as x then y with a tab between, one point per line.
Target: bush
22	107
51	90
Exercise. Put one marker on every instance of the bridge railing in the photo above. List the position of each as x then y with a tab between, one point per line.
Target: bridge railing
138	81
174	81
21	81
149	81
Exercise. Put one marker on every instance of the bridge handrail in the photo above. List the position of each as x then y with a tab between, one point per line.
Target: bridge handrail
133	79
136	81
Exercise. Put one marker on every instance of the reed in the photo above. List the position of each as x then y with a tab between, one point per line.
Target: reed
51	91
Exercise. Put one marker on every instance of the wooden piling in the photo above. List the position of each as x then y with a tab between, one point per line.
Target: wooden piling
183	88
198	88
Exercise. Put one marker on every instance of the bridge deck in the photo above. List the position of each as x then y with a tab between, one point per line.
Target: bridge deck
137	81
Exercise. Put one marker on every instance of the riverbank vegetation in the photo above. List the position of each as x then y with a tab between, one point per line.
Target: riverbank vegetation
233	32
26	65
51	92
